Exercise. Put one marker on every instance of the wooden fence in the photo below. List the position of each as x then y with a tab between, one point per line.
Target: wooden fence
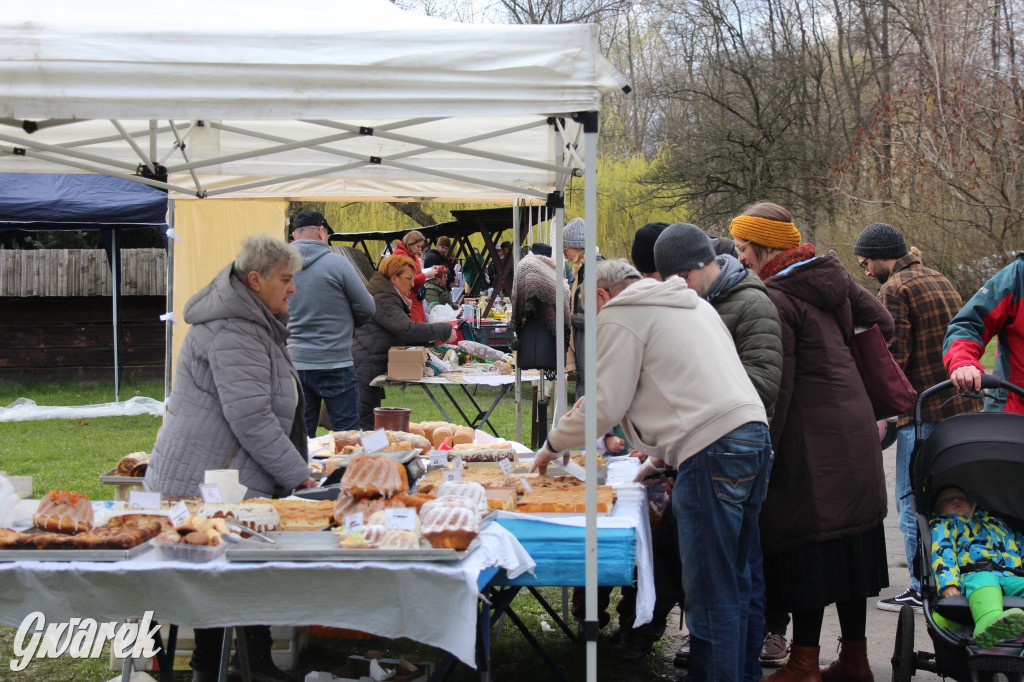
81	272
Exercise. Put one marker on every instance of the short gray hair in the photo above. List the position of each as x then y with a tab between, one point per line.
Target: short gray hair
610	273
265	254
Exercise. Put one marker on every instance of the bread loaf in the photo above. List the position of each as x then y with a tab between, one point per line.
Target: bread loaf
339	439
416	441
464	435
440	434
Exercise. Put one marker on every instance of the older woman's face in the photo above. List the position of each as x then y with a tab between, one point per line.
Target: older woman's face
417	247
275	290
403	281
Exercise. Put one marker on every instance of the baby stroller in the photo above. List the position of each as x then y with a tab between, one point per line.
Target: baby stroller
983	454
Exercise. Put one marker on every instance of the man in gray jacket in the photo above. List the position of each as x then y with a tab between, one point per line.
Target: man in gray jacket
329	302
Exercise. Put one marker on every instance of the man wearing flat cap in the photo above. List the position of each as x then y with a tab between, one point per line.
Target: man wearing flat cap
329	302
922	303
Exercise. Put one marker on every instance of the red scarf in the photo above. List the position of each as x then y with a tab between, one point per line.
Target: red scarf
785	259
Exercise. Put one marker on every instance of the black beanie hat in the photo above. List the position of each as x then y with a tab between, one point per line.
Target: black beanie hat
643	246
682	246
880	240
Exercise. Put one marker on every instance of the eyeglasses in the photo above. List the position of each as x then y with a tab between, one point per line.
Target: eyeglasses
741	246
685	273
864	263
408	277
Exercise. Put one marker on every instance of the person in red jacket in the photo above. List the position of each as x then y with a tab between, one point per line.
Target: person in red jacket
411	246
997	310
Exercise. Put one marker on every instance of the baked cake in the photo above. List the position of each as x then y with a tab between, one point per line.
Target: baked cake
62	511
473	492
258	517
447	526
374	476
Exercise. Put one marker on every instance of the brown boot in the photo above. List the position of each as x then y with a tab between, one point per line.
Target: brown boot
802	666
852	664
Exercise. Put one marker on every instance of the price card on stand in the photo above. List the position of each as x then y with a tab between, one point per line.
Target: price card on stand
453	475
375	441
575	469
178	514
210	492
457	462
354	522
439	459
506	468
400	518
526	484
141	499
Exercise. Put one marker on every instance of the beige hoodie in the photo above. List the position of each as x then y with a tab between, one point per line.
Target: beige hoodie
668	370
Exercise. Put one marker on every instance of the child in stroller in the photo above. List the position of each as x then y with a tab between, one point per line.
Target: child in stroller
979	555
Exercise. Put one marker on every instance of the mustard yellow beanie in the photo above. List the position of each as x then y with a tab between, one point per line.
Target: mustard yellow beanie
770	233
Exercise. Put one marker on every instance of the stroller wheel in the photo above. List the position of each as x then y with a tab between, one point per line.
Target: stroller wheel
903	660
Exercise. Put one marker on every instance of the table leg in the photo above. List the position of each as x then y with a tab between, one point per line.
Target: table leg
535	644
225	654
551	612
243	654
465	417
430	394
482	418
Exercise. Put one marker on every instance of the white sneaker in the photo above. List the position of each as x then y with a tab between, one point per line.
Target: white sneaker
910	597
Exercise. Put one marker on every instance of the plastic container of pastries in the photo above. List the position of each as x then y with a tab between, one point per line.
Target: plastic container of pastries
193	554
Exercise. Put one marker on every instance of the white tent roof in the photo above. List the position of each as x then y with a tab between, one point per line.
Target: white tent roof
284	91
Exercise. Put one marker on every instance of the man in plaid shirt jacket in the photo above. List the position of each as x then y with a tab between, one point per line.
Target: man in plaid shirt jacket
922	303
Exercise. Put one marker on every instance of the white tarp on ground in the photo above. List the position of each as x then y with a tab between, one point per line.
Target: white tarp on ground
283	91
26	410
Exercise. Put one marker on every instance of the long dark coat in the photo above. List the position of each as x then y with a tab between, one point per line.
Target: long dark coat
827	480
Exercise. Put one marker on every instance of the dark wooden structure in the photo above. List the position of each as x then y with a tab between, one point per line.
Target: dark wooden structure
68	338
489	223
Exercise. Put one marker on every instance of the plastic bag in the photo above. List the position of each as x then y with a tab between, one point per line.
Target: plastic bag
442	313
483	351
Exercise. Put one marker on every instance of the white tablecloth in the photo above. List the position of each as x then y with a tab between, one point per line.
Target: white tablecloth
459	377
430	602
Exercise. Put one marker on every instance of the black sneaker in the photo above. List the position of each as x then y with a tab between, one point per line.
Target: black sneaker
910	597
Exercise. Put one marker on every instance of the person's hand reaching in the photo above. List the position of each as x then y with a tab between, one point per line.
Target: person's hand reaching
545	455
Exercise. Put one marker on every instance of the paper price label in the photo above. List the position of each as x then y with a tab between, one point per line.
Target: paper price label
376	441
354	522
210	493
438	458
141	499
506	466
526	484
457	462
178	514
403	518
453	475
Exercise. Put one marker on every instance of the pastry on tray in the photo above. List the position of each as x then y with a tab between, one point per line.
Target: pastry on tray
472	492
449	527
62	511
103	537
569	500
374	476
258	517
491	477
346	504
129	462
301	514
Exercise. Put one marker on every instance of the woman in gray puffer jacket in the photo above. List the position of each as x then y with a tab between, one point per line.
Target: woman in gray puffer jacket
235	403
391	288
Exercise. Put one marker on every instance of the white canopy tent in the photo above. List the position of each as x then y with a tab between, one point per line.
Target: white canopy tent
310	100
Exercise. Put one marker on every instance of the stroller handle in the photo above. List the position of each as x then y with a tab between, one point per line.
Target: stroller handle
987	381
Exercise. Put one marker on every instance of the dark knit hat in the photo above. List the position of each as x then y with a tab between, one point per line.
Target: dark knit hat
643	246
880	240
541	249
682	246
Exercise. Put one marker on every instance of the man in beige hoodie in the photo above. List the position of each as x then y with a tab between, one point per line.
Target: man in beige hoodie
669	373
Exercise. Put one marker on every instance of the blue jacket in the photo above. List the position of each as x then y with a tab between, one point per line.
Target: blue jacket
329	302
959	542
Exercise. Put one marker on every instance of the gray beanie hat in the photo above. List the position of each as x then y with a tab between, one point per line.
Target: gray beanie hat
682	246
574	236
880	240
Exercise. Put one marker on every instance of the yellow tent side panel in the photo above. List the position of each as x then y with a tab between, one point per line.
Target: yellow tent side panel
212	232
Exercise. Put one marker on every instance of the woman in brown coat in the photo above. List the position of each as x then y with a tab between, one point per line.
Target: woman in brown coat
821	522
392	290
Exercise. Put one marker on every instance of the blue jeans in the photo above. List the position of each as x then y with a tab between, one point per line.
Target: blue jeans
906	521
716	500
338	389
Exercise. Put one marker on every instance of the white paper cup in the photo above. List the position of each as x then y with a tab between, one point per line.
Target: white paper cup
225	478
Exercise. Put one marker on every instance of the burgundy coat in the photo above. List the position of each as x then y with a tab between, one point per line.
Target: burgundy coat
827	480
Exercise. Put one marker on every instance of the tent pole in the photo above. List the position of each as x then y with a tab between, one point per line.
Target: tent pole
516	231
115	288
169	323
590	367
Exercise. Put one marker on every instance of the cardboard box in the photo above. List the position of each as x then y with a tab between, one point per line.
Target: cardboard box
407	362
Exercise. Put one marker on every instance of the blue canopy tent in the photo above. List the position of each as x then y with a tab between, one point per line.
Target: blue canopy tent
54	201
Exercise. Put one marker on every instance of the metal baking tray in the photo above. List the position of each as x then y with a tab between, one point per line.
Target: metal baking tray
323	546
75	554
113	478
